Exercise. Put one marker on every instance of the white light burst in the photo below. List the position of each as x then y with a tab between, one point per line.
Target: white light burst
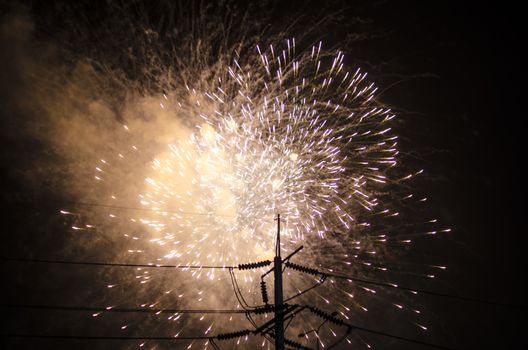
272	132
296	135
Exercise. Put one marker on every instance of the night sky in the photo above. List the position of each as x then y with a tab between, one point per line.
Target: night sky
452	73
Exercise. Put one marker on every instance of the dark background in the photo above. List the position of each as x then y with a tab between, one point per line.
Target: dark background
459	84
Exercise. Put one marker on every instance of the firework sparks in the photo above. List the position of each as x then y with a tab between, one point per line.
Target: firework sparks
298	135
276	132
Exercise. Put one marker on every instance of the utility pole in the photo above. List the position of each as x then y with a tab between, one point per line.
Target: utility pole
279	310
275	326
284	311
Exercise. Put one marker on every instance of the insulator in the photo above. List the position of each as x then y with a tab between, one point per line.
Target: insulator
294	344
326	316
263	310
254	265
264	292
304	269
225	336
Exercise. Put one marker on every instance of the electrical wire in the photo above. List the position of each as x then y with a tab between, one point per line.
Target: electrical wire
118	309
99	337
119	207
319	283
83	337
410	340
352	327
94	263
333	275
421	291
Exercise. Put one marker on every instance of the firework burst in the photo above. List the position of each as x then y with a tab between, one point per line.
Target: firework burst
273	132
196	154
283	136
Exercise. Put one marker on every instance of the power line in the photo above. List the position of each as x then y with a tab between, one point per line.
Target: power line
150	310
227	267
351	278
120	207
95	263
99	337
410	340
420	291
91	337
338	321
117	309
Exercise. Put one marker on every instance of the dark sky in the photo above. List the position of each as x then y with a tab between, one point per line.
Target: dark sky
458	74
